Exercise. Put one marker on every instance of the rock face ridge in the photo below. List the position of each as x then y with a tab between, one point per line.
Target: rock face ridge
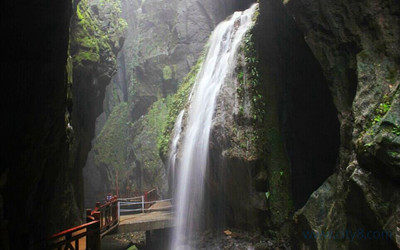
275	126
96	37
356	44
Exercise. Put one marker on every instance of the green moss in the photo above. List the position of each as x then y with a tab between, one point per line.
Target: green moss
86	56
167	73
146	131
177	103
90	38
372	127
396	130
110	146
253	76
157	116
84	37
256	14
382	109
250	89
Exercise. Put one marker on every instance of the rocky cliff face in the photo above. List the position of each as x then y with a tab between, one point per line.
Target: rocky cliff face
34	175
57	86
356	44
96	38
276	135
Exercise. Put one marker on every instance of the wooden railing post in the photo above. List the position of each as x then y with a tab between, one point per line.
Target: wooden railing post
142	204
100	221
97	216
88	215
93	240
119	210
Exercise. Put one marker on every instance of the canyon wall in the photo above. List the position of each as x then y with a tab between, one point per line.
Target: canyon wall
163	42
34	174
356	44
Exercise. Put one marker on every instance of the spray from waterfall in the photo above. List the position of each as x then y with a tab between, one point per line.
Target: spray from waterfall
217	67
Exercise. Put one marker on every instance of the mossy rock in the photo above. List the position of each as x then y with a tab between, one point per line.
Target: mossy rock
110	146
167	73
93	37
177	103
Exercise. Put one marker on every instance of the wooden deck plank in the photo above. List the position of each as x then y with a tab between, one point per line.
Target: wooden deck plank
146	221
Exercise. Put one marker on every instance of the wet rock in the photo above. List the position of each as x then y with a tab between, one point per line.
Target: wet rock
354	43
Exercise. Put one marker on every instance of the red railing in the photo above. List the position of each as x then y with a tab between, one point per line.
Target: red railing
151	195
85	236
106	214
100	221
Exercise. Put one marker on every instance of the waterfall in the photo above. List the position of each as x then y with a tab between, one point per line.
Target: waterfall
217	67
176	135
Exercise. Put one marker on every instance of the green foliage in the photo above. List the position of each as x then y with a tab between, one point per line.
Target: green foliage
370	130
256	14
167	73
368	145
250	142
145	133
240	77
157	116
84	36
396	130
382	109
176	104
132	248
86	56
91	36
249	78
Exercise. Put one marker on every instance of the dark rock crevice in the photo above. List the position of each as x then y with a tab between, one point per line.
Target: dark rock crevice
307	115
354	42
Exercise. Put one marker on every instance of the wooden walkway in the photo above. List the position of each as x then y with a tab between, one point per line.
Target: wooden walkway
145	221
148	214
158	216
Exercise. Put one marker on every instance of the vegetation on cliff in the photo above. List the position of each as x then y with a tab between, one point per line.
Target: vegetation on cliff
110	147
96	36
248	133
175	104
93	36
143	145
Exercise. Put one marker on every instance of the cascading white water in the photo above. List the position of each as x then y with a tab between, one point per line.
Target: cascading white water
217	66
173	150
